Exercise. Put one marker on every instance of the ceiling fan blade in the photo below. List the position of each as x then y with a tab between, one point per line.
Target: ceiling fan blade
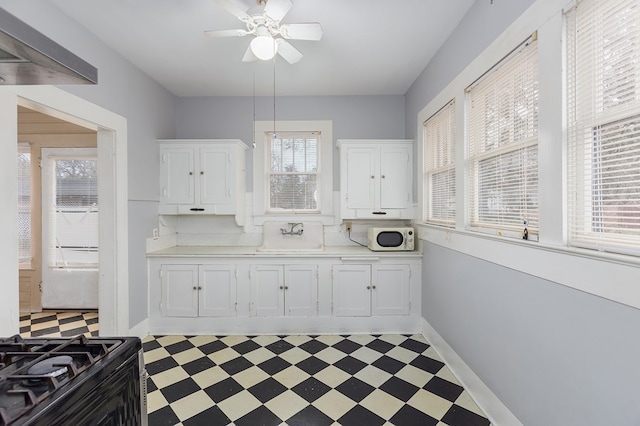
249	56
231	7
288	52
226	33
306	31
276	9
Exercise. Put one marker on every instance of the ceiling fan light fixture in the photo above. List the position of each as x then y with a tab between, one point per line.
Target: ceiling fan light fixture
264	47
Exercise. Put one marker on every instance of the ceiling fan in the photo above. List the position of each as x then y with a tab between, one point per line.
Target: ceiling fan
270	36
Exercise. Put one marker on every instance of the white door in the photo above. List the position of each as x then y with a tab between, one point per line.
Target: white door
267	291
394	176
70	228
390	289
301	290
215	176
217	291
179	287
351	290
361	178
177	175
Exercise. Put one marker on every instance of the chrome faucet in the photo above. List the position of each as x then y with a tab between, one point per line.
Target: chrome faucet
291	230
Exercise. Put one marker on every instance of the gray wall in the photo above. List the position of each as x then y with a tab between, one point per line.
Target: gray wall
553	355
149	110
354	117
484	21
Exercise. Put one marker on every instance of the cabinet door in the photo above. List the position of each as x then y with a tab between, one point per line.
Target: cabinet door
177	176
361	178
179	290
390	289
215	176
267	291
217	295
351	290
395	172
301	290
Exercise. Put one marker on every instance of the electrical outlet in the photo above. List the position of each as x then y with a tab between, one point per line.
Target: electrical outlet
155	233
347	226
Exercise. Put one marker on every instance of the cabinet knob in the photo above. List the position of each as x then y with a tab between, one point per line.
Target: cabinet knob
200	288
286	287
195	288
382	176
368	287
190	173
202	172
281	287
373	177
374	287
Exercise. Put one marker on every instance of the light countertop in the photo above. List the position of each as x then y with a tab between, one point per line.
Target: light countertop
250	251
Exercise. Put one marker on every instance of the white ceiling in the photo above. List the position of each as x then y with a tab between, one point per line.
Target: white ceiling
369	47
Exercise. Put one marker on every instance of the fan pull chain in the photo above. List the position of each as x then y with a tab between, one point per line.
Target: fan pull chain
274	98
254	106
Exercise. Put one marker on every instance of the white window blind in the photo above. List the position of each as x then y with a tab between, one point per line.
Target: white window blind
502	115
603	73
293	172
439	166
24	205
73	213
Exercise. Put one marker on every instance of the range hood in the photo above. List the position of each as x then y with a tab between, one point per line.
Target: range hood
29	57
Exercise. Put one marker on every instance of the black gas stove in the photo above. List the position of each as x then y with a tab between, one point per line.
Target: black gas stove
72	381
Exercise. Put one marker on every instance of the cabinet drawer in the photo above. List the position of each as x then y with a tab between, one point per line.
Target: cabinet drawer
379	214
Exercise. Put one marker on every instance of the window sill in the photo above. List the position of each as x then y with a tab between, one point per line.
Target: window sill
609	275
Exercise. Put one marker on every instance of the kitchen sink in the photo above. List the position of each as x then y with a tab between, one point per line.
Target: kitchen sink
292	237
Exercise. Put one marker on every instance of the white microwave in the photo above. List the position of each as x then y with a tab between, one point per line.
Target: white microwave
399	238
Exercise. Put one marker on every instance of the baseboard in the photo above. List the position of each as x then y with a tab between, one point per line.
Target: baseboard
496	411
141	329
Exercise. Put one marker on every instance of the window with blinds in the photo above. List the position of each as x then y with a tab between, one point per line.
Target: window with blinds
603	82
293	172
502	119
439	167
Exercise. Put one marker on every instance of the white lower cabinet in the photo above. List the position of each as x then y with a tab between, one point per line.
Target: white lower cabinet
198	290
284	290
369	290
255	294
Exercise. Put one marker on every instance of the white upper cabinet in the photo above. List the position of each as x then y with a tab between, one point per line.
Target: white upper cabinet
376	179
202	177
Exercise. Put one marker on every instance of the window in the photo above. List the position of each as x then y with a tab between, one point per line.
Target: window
293	175
502	108
70	200
439	166
603	82
24	205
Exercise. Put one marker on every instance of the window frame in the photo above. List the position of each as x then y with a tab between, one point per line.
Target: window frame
270	173
261	161
479	151
589	112
434	164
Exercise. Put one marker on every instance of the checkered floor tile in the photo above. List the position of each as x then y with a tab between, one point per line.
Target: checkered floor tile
59	324
303	380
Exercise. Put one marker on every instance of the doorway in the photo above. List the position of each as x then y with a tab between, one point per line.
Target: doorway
111	130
